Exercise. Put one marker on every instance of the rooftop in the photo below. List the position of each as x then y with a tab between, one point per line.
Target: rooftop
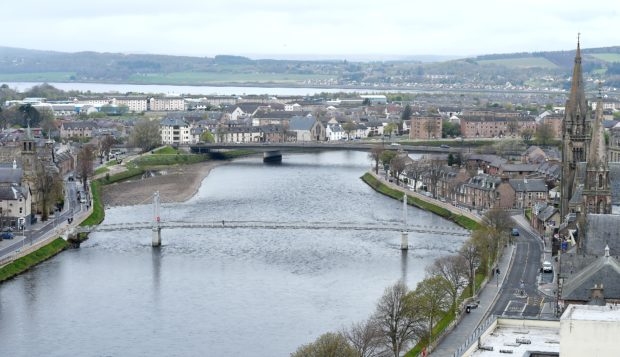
609	312
521	337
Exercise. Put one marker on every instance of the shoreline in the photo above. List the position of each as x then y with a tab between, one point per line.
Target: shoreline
178	184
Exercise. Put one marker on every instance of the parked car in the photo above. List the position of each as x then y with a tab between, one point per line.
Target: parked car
547	267
444	146
395	144
515	232
6	235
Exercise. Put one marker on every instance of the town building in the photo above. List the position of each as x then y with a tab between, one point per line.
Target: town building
425	127
77	129
160	104
307	129
175	131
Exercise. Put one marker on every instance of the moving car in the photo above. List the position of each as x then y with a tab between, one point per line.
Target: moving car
515	232
395	144
547	267
444	146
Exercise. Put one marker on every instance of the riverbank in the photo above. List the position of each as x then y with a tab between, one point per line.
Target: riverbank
174	183
463	219
26	262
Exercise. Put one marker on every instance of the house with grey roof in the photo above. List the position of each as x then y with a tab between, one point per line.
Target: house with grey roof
175	131
307	128
78	128
15	196
529	191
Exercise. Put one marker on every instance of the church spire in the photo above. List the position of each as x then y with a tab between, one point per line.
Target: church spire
577	105
597	153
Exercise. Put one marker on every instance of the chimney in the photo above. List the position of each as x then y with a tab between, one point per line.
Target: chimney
597	296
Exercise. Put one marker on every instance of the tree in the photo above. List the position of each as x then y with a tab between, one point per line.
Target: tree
433	170
49	189
145	135
349	127
430	127
105	145
397	165
84	166
207	137
407	112
469	251
544	134
453	268
485	239
327	345
364	338
431	298
30	115
221	131
387	156
526	135
389	128
449	129
512	127
375	155
415	171
397	318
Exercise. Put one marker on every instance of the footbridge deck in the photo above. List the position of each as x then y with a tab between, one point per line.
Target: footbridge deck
305	225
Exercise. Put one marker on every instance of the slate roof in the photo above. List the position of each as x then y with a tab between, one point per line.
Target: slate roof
261	114
614	179
602	230
529	185
604	270
547	213
79	124
168	121
13	192
301	123
519	167
10	175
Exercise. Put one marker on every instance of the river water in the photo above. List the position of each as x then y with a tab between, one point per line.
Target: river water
197	90
223	292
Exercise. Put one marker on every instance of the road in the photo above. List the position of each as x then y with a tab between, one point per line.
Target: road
38	231
517	299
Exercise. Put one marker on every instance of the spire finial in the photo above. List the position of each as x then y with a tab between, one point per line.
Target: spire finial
607	250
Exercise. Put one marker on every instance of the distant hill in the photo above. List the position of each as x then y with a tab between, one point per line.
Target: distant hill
525	69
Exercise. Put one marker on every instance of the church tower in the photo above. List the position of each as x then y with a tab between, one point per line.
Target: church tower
575	133
597	190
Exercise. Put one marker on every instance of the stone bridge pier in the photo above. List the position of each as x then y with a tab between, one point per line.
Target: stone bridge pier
272	156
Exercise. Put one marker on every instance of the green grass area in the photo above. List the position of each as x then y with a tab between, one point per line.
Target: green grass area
396	194
38	77
98	213
523	62
607	57
216	77
166	160
452	143
26	262
101	170
166	150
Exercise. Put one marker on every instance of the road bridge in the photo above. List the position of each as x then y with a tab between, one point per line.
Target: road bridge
273	151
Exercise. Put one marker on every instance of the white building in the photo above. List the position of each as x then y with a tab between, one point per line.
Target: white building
166	104
590	330
15	197
175	132
335	132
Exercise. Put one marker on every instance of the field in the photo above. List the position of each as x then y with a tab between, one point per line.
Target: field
193	78
523	62
608	57
38	77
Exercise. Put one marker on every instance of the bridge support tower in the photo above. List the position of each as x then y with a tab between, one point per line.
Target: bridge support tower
156	227
404	235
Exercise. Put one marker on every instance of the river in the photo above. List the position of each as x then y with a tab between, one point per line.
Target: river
197	90
223	292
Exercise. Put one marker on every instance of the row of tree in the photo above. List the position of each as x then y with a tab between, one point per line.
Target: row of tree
402	316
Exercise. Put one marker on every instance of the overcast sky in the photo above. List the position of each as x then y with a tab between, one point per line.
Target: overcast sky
329	28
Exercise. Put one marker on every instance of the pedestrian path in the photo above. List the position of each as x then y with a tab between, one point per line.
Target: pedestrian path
457	338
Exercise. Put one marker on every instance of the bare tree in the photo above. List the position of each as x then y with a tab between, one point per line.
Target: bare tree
348	128
364	338
430	296
105	145
397	165
414	171
453	268
544	134
430	126
433	171
84	166
145	135
49	189
469	251
397	318
375	155
526	135
327	345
